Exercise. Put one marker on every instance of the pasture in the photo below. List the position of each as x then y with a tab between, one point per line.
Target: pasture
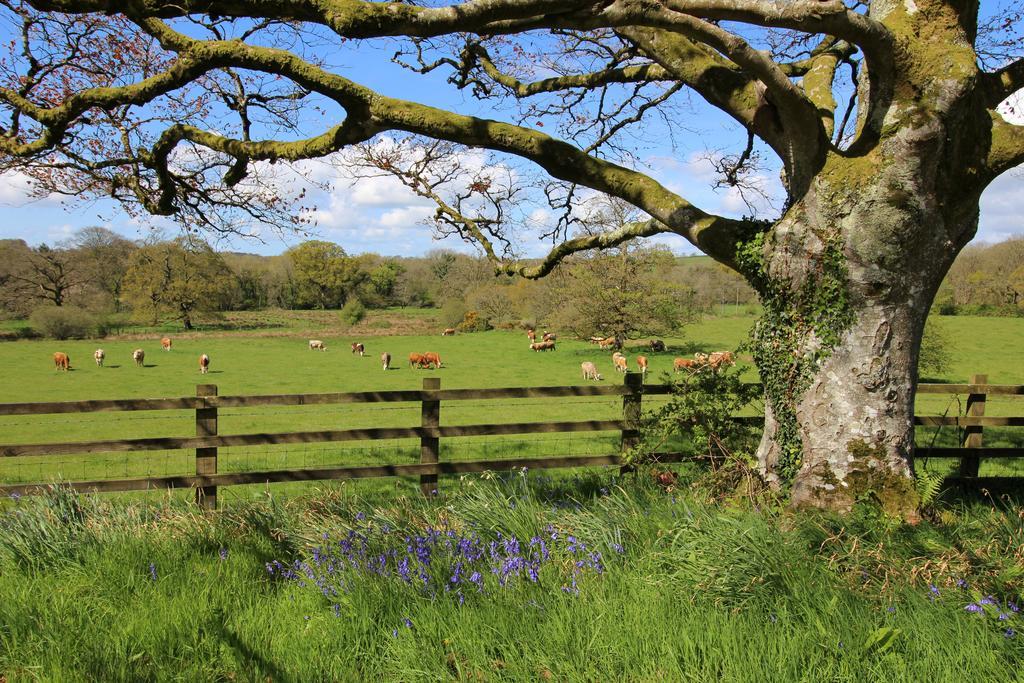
249	364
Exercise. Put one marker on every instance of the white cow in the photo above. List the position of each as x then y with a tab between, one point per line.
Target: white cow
316	345
99	356
204	364
139	356
590	371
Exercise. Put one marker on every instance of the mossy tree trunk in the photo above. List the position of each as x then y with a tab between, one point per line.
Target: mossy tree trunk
847	278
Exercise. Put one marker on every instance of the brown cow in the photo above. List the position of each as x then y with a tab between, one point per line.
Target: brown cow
385	360
684	364
165	343
543	346
657	345
619	361
701	358
612	342
448	332
415	360
720	358
532	335
204	364
548	336
358	348
139	356
641	362
317	345
431	358
61	361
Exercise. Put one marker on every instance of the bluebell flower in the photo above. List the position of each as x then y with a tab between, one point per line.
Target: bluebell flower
408	622
960	583
974	608
394	633
1003	616
934	591
1009	633
223	553
152	570
360	516
618	548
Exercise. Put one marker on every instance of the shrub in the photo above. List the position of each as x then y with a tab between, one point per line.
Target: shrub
698	418
474	322
353	312
63	322
453	312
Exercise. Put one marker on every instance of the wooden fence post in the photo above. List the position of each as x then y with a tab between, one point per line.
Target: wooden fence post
206	458
430	419
631	413
969	464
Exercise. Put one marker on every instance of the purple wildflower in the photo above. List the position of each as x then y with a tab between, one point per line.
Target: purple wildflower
152	570
974	608
223	553
408	622
1009	633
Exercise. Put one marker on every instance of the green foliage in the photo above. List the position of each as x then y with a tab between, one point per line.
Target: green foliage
176	281
698	418
453	312
819	309
353	311
474	322
936	350
928	484
622	293
323	274
63	322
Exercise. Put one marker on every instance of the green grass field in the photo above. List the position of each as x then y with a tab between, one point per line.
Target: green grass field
282	363
529	579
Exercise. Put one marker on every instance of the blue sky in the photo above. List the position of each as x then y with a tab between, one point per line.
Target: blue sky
379	215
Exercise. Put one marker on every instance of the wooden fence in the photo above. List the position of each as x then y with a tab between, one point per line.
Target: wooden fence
431	397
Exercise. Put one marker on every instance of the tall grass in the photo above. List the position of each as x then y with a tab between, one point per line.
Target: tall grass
670	587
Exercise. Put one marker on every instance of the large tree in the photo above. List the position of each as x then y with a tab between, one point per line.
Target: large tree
323	274
131	100
177	280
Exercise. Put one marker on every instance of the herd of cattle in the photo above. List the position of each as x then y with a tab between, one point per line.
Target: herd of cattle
62	361
416	360
700	361
430	359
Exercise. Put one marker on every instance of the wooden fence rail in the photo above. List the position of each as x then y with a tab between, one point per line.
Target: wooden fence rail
207	441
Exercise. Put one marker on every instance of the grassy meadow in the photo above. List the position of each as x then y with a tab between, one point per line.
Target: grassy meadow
523	578
280	361
562	576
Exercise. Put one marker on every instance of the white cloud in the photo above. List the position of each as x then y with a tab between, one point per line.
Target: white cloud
1012	108
17	189
382	192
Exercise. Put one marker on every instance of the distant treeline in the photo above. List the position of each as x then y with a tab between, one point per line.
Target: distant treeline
986	279
98	279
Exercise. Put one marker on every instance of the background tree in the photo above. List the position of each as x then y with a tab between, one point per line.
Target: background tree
881	191
177	280
103	258
620	293
323	274
50	275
